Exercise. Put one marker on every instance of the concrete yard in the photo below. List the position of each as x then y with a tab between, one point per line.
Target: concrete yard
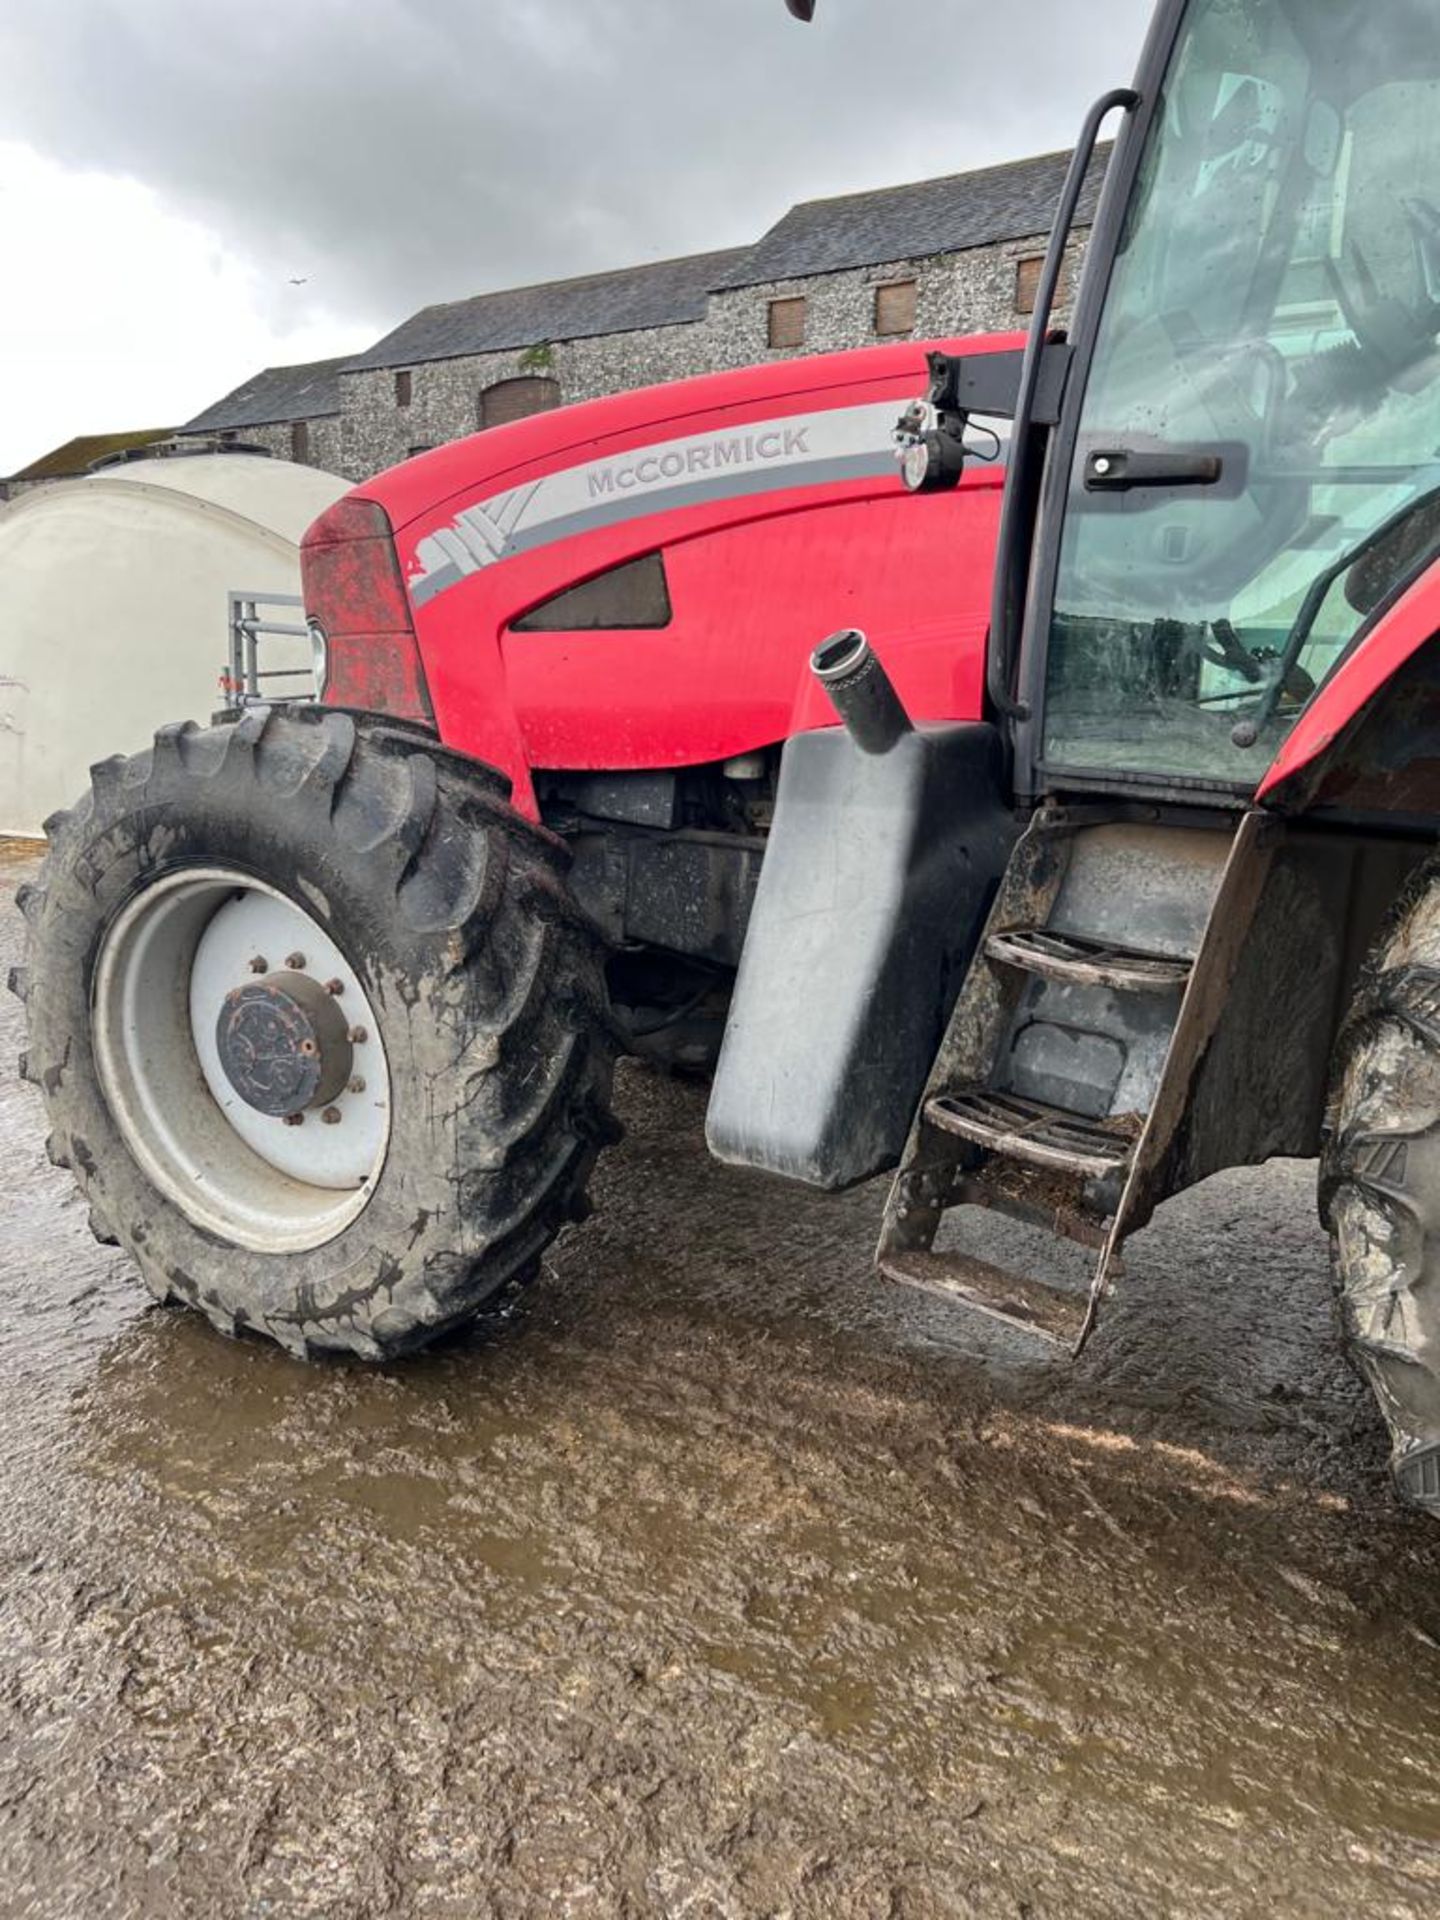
718	1582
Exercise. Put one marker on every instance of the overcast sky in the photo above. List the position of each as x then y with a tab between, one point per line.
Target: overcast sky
169	167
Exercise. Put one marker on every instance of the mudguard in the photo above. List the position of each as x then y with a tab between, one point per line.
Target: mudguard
1367	740
878	874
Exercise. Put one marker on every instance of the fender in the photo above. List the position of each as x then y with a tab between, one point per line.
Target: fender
1368	740
878	874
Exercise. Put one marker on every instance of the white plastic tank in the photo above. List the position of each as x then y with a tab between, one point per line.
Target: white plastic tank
114	611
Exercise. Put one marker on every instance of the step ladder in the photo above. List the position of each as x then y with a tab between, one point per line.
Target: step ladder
1063	1079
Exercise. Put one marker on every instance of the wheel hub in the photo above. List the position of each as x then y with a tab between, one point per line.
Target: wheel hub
283	1044
211	1087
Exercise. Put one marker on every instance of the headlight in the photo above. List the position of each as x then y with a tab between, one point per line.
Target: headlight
930	446
319	657
915	463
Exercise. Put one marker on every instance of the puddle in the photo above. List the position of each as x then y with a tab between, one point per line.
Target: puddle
720	1581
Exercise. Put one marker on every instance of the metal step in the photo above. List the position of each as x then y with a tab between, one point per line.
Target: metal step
1056	1203
1019	1302
1040	1136
1087	963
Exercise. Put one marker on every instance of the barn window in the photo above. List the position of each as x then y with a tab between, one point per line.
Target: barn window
1027	283
787	323
895	307
404	388
517	399
634	594
300	441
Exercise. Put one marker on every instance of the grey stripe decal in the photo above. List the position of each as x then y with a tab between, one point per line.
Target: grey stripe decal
762	457
812	473
425	586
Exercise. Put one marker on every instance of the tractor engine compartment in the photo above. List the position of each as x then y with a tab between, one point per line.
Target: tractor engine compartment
667	863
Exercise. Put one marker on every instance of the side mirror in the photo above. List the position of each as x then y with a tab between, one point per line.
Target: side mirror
802	9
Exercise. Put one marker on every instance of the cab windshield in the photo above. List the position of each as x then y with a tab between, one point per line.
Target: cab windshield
1271	324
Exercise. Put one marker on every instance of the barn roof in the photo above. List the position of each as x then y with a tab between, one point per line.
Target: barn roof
661	294
79	455
912	222
273	396
926	217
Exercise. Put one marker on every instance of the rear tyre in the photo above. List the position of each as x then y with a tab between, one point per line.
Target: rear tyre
321	1033
1380	1186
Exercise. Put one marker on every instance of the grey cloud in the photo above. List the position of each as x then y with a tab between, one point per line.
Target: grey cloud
398	152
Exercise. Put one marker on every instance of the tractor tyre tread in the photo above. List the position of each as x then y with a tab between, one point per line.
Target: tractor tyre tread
487	978
1380	1183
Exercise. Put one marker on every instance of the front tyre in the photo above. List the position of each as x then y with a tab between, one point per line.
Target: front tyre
1380	1186
321	1033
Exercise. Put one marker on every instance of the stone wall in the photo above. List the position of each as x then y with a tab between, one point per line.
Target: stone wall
326	447
445	394
970	292
956	293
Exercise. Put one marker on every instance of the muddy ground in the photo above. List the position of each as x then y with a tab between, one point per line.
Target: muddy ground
721	1582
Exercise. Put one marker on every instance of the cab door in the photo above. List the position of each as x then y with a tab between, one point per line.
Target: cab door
1255	465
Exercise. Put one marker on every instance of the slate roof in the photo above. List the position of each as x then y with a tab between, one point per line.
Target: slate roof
960	210
661	294
78	455
927	217
276	395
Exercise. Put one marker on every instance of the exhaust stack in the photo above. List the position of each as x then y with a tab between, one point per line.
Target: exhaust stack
860	690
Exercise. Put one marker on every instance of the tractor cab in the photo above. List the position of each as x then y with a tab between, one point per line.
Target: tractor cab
1250	459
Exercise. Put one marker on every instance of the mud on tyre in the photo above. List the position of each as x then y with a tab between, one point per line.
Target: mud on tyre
1380	1184
437	1021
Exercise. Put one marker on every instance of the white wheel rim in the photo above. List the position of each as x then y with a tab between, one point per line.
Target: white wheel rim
165	968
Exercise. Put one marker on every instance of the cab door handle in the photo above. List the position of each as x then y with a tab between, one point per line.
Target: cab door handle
1118	469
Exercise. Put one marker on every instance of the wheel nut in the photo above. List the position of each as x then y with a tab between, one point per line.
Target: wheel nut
295	960
294	1119
357	1085
334	986
259	964
331	1116
357	1036
307	1047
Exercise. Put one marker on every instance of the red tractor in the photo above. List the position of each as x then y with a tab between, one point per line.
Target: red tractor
1105	862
